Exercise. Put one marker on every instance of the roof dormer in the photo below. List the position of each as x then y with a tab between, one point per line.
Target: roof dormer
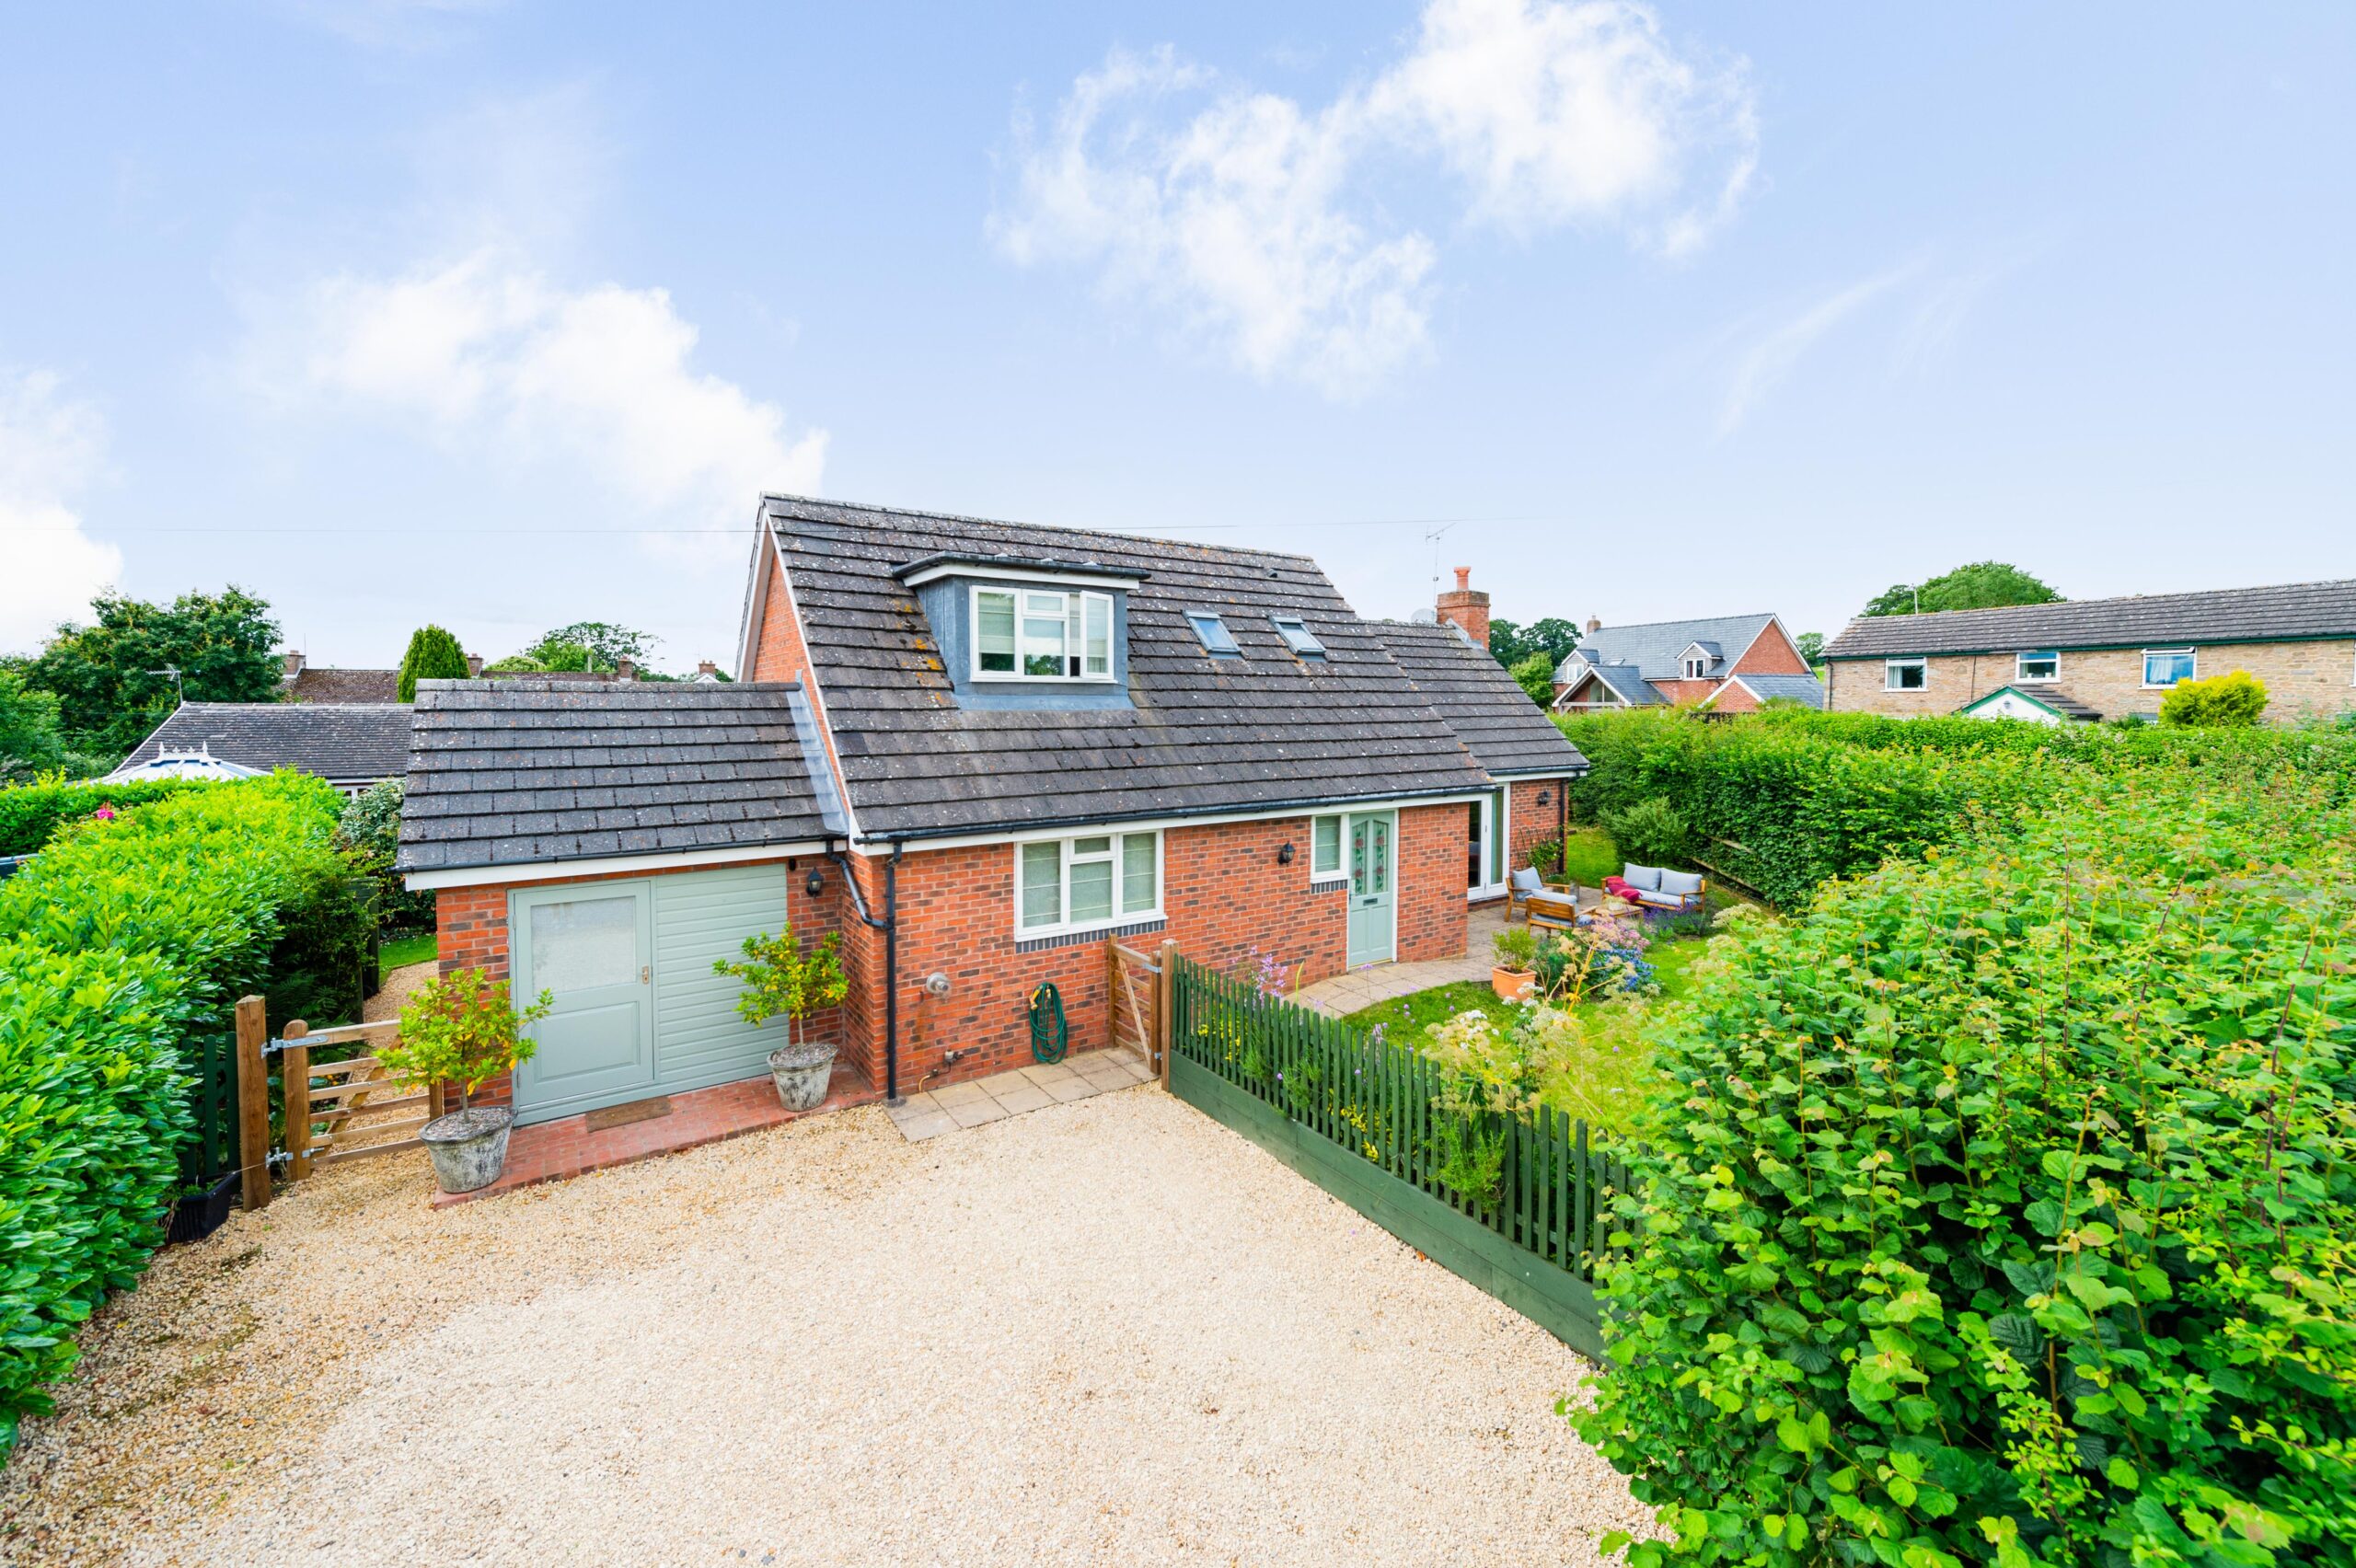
1019	631
1700	661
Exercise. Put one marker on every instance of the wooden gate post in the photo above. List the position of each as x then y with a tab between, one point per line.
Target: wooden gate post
1165	1006
295	1072
253	1105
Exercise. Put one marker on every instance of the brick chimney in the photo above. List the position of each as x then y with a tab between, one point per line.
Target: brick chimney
474	666
1594	625
1468	607
294	663
624	669
707	669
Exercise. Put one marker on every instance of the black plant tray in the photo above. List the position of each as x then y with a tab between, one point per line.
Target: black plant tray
201	1213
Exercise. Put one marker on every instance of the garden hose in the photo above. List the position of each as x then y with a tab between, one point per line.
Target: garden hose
1050	1034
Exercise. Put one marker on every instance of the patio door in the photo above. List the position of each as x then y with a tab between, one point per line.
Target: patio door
1374	926
1484	859
591	947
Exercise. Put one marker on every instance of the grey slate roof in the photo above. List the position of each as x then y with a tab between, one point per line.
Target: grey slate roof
1797	688
518	772
1479	700
348	743
1266	730
1654	648
2290	612
1629	682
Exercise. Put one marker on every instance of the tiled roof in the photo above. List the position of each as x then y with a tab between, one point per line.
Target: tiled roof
343	742
2045	696
1797	688
1625	680
343	685
519	772
1482	703
2292	611
1267	730
1656	648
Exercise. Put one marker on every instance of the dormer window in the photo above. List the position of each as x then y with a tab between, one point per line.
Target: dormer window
1042	634
1298	637
1697	669
1215	638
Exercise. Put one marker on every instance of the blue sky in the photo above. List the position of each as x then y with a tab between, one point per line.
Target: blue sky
500	315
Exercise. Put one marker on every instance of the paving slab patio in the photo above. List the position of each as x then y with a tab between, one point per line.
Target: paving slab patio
1018	1091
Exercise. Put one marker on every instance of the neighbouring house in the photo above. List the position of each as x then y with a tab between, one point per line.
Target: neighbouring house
2088	658
350	744
306	682
1734	663
971	751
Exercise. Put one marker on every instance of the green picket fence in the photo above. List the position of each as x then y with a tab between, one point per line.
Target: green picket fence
1377	1100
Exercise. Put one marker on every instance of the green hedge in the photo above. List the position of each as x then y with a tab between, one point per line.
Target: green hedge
2003	1205
31	813
121	943
1780	803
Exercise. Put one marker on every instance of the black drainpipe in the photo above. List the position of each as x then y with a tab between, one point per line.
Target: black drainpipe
890	925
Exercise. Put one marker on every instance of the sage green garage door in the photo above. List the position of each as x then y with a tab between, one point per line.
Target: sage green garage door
638	1010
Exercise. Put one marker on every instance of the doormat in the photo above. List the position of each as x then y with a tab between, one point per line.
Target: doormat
623	1116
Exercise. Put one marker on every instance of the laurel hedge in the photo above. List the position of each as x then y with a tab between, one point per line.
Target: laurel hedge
123	942
31	813
2001	1207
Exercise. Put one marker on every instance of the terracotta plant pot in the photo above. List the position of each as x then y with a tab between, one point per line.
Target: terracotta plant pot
801	1071
1511	985
469	1148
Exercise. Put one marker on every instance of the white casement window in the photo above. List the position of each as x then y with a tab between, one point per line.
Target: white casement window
1325	850
1697	669
1298	637
1039	634
2038	664
2165	666
1905	675
1071	884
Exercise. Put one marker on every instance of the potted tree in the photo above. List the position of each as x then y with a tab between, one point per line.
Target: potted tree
1517	951
459	1029
781	981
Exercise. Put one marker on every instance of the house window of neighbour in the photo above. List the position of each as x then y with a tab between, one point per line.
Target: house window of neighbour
1298	637
1031	634
2042	665
1697	669
1070	884
1906	675
2165	666
1214	633
1325	848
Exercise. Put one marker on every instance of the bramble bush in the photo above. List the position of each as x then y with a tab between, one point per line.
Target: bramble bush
30	815
2001	1209
124	941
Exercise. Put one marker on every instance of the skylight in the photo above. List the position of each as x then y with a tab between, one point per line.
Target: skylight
1298	637
1214	633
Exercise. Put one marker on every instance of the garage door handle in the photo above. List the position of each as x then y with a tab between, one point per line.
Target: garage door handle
645	974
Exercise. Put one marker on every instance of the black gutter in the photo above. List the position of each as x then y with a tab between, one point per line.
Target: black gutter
890	925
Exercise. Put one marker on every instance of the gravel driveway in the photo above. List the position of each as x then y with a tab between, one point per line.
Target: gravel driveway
1107	1332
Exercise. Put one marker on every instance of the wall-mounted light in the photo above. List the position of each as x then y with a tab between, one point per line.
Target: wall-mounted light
1544	795
1284	856
816	883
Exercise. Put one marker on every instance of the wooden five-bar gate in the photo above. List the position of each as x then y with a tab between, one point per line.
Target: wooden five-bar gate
330	1110
1136	987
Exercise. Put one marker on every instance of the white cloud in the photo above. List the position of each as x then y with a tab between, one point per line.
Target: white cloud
499	361
1770	357
1254	222
49	450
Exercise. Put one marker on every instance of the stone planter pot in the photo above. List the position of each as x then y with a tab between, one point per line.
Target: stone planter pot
469	1148
801	1070
1511	985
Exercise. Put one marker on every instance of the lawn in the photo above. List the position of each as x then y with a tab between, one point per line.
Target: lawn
1403	1019
1590	856
399	951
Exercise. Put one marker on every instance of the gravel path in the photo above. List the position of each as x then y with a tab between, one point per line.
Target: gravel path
1107	1332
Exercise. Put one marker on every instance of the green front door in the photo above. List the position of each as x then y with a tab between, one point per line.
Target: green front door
1373	936
591	947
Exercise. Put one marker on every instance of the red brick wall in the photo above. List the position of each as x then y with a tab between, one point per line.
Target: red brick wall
1735	699
1771	654
1528	822
471	926
1434	844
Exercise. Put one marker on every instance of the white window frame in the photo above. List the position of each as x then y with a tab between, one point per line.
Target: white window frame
1064	925
1073	605
1296	636
1697	669
1890	669
1341	868
1234	651
2021	659
2191	653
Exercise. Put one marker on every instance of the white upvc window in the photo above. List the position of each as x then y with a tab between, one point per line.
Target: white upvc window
2165	666
1093	880
2038	664
1042	634
1906	675
1697	669
1325	850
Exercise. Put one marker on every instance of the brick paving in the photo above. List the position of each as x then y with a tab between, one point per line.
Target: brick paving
1000	1095
1345	993
551	1152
